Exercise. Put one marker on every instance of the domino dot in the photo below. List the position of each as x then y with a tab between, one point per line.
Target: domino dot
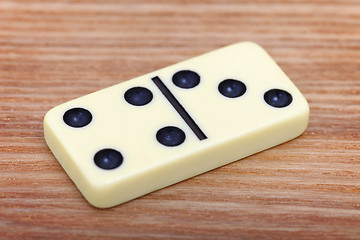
138	96
108	159
278	98
170	136
77	117
232	88
186	79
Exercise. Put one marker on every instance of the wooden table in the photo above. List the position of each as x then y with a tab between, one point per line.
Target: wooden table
54	51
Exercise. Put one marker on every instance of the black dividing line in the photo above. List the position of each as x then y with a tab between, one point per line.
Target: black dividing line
179	108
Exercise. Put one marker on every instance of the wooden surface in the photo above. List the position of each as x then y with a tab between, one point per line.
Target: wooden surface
54	51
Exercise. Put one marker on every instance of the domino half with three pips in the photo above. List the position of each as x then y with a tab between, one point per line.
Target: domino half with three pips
169	125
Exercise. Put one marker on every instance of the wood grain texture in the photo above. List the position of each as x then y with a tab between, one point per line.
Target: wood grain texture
54	51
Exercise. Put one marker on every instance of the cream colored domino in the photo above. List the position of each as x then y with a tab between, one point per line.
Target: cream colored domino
153	131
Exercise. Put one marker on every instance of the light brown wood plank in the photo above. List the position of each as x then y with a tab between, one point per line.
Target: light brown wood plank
54	51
